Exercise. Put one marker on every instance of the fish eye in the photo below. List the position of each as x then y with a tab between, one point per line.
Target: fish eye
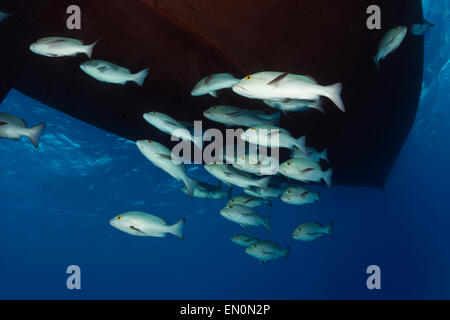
215	107
299	229
153	112
288	163
230	207
248	77
289	191
119	217
254	246
149	141
232	200
252	128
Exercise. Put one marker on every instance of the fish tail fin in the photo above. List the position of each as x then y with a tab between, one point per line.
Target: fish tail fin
285	252
35	134
328	229
301	144
377	62
264	183
319	106
140	77
229	193
317	197
428	23
334	94
190	186
324	155
90	47
266	221
327	177
177	229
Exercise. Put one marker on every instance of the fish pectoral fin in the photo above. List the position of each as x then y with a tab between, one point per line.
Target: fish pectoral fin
246	226
102	69
278	79
228	174
234	114
136	229
306	170
213	93
170	123
164	156
55	42
208	79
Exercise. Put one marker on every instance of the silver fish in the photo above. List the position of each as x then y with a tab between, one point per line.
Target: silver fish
311	231
390	42
266	251
142	224
213	83
14	128
243	240
245	216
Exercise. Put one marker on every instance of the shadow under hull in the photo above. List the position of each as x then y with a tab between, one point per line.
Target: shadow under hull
182	42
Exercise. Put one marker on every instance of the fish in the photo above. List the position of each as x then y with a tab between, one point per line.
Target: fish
270	85
243	240
390	42
207	191
264	193
271	136
233	116
143	224
421	29
299	196
111	73
260	165
249	201
171	126
266	251
61	47
213	83
231	176
305	170
4	15
311	154
14	128
245	216
161	157
293	105
311	231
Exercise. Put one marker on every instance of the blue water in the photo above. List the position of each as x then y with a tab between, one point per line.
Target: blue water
57	201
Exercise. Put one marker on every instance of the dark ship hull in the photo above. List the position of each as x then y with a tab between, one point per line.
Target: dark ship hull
183	41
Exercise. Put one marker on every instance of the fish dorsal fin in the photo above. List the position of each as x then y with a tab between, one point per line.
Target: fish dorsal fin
208	79
170	123
311	79
278	79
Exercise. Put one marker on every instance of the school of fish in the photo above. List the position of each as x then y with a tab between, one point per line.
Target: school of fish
260	178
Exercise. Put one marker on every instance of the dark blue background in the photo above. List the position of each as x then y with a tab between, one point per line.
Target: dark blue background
57	201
